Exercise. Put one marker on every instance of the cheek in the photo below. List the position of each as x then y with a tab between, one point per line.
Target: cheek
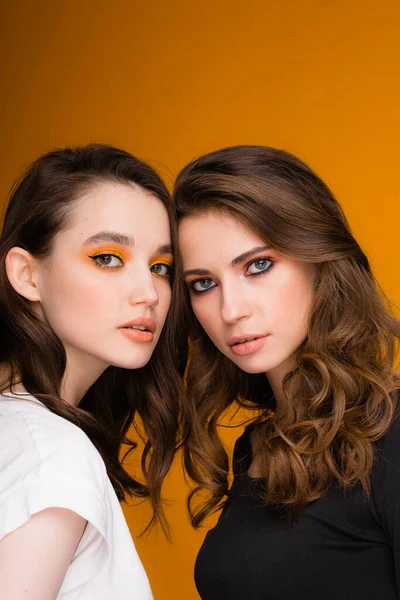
206	313
199	310
164	298
71	297
294	311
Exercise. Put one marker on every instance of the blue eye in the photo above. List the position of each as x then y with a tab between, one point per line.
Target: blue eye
259	266
203	285
161	269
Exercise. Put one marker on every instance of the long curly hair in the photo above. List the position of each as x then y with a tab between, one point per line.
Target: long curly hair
40	206
342	393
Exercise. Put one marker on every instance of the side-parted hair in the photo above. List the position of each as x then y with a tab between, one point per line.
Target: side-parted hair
343	392
41	205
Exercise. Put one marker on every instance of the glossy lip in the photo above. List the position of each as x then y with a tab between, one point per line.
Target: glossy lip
146	322
246	336
249	347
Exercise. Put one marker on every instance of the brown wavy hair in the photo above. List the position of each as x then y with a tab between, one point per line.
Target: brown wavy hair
343	390
40	206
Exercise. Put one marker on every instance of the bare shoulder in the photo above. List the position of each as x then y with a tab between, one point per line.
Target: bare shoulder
35	557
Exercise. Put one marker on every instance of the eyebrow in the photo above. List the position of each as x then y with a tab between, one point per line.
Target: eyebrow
122	240
166	249
242	257
110	236
236	261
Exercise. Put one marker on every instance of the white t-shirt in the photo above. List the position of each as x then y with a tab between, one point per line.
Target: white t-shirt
46	461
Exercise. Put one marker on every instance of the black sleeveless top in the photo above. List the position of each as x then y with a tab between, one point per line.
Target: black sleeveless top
343	546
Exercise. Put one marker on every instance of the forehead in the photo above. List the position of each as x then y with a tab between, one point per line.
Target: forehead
214	237
127	209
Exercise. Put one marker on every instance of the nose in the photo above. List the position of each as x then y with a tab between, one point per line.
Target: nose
143	290
234	307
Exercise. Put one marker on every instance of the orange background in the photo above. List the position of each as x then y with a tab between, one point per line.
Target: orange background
171	79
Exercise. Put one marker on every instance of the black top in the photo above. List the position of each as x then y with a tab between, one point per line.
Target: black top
343	546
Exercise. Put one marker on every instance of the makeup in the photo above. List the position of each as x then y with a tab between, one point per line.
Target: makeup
140	329
249	347
137	335
164	260
106	256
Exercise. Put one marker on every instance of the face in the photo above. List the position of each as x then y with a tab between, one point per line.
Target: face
252	301
105	288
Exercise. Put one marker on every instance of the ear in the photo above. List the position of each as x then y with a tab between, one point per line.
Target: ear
21	268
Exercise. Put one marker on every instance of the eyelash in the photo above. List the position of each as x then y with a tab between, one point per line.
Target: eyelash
102	255
263	272
96	257
162	264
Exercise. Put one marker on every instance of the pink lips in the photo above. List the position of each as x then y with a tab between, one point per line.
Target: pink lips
139	335
243	348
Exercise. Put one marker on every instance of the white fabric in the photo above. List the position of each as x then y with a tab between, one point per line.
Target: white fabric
46	461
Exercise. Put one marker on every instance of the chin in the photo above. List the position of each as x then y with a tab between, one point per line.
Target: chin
133	362
255	366
252	370
249	366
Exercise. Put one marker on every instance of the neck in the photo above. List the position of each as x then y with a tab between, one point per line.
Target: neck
275	378
80	374
282	407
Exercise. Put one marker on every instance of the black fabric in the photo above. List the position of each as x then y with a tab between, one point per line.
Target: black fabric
343	546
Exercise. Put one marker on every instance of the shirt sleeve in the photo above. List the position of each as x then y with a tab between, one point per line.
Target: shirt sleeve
47	462
385	481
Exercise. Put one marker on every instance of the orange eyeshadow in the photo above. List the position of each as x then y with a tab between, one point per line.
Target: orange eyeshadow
163	258
120	251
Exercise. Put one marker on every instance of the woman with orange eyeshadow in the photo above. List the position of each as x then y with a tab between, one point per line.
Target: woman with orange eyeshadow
88	311
285	318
